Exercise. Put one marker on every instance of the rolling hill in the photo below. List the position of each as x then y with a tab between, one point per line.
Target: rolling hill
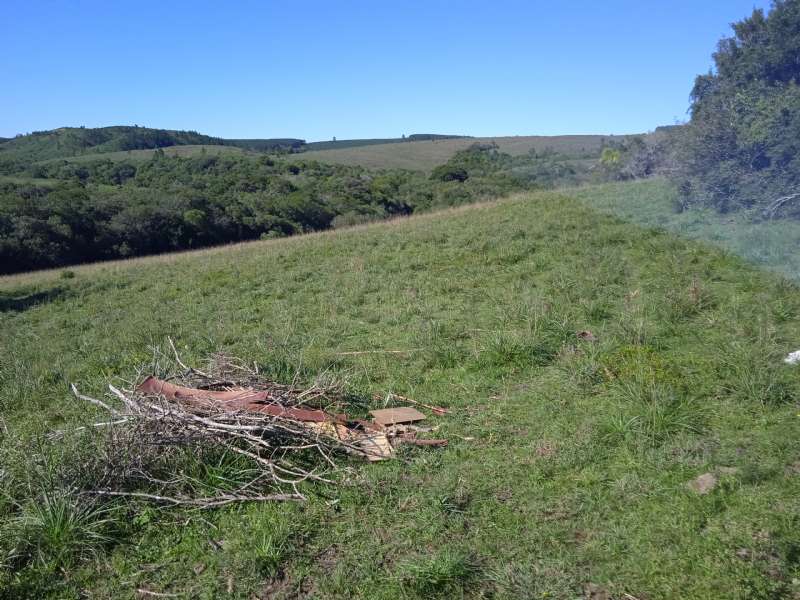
188	150
420	152
116	142
112	142
425	155
71	141
583	450
355	143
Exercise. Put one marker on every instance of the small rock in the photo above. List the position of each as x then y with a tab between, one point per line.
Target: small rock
703	484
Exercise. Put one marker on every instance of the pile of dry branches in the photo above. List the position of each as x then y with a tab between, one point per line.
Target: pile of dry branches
263	440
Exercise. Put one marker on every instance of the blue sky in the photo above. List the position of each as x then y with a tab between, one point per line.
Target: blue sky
381	68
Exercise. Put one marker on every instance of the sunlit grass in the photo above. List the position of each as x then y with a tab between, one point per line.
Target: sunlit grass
568	457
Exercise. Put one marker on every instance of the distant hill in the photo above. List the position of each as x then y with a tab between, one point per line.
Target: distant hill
414	137
419	151
135	156
71	142
437	150
266	145
118	142
74	141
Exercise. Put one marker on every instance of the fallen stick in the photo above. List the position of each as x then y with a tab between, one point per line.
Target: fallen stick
436	409
202	502
94	401
145	592
181	363
360	352
416	442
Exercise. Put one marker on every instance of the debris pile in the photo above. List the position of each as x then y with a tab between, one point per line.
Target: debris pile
284	434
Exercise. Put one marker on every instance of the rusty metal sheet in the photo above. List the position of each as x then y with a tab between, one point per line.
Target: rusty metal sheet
233	400
296	414
401	414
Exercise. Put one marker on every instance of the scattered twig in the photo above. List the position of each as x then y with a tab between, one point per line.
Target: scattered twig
145	592
360	352
277	438
436	409
210	502
778	203
93	400
153	425
181	363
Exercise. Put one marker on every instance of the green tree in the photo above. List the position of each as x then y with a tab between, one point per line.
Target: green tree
742	145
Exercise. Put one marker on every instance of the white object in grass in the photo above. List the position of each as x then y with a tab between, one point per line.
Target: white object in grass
793	358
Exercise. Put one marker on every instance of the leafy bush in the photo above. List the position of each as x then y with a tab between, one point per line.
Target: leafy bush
449	173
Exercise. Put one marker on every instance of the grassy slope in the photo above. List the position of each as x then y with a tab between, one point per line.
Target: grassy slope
772	244
577	454
427	155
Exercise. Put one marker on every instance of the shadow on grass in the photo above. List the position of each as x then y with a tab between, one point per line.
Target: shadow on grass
20	303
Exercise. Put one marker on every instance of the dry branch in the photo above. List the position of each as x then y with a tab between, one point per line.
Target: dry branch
152	426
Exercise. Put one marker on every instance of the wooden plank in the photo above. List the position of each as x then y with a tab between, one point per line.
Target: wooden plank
401	414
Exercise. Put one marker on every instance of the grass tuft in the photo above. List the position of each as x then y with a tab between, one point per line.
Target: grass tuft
442	575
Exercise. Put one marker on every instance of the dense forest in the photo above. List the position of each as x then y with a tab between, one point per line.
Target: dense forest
64	213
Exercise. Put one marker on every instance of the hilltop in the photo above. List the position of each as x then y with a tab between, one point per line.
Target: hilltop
71	141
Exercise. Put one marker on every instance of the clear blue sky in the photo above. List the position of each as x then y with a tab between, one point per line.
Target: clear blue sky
320	68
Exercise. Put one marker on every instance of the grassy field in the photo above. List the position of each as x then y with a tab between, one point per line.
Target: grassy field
424	156
567	470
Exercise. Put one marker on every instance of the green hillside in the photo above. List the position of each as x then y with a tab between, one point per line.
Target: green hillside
355	143
112	142
579	451
71	141
420	152
266	145
186	151
119	205
425	155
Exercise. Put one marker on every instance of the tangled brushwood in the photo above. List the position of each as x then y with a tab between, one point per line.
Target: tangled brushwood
226	435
